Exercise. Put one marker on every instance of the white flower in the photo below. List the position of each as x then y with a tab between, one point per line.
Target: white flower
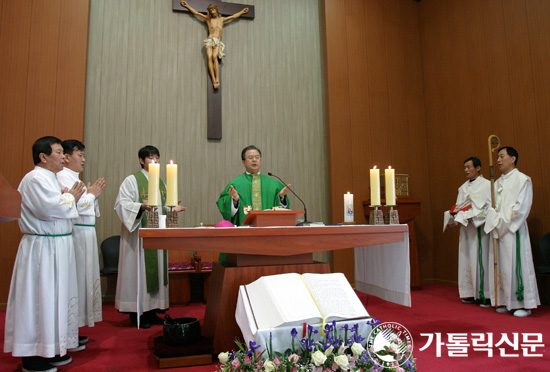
357	349
329	351
342	361
223	357
342	349
318	358
269	366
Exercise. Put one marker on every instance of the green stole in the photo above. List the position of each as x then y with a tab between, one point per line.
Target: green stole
150	255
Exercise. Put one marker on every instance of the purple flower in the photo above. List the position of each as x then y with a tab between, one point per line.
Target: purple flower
253	347
294	332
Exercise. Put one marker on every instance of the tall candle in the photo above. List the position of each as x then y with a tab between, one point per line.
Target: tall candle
348	207
171	184
153	191
389	175
375	186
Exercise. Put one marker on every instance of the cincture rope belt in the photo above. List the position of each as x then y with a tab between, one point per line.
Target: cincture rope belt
82	224
519	292
481	268
51	236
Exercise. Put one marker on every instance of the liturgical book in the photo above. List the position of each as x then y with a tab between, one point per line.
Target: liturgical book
294	299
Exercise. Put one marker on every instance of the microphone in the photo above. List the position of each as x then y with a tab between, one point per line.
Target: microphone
304	204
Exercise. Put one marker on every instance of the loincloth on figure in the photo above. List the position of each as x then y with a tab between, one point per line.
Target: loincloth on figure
215	42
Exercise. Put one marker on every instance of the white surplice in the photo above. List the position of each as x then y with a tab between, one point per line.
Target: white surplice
131	289
473	265
86	253
513	199
42	310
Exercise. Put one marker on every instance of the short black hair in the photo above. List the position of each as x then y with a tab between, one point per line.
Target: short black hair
147	151
43	145
69	146
247	148
475	161
511	152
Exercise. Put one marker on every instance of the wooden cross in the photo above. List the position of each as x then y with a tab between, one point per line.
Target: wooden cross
214	127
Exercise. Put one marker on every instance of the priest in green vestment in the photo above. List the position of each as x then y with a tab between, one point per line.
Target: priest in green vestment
251	190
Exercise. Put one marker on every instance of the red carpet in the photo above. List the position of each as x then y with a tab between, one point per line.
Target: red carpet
115	346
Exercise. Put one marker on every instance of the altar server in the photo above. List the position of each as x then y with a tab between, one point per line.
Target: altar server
84	236
517	285
41	315
142	284
474	198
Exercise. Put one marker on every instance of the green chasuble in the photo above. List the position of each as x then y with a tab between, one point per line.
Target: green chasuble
243	185
150	255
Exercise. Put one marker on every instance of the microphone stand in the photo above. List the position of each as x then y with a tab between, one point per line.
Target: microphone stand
306	222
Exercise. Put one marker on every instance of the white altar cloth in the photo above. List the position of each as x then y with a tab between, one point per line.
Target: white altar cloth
384	271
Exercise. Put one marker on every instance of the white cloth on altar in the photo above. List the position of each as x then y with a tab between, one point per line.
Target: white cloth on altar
478	192
131	290
43	298
384	271
280	337
513	200
86	253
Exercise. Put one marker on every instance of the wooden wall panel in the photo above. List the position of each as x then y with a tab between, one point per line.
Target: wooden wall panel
42	75
375	106
483	74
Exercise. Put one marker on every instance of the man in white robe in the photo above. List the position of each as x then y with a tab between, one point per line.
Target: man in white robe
41	315
134	293
474	198
517	285
84	236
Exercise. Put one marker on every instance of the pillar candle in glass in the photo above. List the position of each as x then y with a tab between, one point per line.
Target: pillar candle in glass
375	186
348	207
171	184
389	175
153	190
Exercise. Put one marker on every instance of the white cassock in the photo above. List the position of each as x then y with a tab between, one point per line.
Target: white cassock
473	260
41	316
513	199
131	289
86	253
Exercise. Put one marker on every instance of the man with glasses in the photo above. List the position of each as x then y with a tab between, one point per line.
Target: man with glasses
251	190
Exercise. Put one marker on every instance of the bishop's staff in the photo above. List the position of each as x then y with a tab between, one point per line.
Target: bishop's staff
494	143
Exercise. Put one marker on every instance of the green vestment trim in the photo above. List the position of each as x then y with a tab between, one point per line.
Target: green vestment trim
52	236
84	225
519	292
150	255
481	268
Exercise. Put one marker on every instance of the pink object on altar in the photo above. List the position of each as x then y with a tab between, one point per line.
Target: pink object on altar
224	223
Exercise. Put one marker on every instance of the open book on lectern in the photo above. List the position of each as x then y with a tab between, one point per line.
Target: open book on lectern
294	299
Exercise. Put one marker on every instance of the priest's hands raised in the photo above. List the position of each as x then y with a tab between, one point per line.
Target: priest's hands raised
234	194
284	191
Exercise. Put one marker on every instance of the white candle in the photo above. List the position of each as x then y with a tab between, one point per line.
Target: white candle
153	191
375	186
171	184
389	175
348	207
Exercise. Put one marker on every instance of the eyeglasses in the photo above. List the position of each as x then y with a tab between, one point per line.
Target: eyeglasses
255	157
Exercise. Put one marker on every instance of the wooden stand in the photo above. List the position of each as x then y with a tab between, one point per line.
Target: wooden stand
285	217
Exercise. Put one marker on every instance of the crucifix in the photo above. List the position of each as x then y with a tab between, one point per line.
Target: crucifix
217	14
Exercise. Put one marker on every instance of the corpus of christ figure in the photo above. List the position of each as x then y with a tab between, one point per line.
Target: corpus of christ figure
213	44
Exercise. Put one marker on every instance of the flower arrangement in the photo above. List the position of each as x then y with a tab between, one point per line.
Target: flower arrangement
322	352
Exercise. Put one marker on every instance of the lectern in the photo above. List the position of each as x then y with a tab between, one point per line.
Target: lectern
10	201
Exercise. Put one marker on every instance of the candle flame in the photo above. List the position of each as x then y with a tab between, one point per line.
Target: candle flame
348	192
374	167
171	162
389	166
